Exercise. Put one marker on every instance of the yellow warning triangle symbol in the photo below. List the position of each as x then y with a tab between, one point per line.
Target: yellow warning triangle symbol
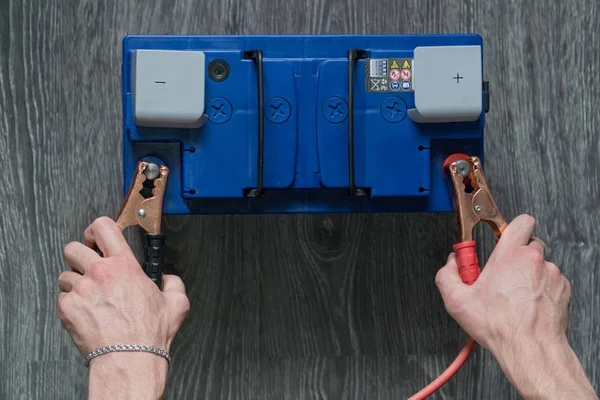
405	65
394	65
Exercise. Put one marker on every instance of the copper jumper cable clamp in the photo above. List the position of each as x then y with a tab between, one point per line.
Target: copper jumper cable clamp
143	207
473	203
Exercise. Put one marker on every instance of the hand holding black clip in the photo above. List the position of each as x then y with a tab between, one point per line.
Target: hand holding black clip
143	206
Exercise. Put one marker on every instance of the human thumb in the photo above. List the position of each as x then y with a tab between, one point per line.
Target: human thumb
449	283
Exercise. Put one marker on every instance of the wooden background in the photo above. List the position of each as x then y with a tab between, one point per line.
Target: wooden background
290	307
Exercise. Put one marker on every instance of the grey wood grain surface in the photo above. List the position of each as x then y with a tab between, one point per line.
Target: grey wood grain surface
290	307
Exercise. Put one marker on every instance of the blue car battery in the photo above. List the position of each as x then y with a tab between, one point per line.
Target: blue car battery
302	124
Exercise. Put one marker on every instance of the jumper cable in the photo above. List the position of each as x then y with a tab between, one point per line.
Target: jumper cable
473	203
143	207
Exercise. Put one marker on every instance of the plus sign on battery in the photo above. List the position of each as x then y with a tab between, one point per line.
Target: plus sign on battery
447	82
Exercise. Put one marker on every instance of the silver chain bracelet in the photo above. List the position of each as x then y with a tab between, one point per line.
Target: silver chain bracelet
126	347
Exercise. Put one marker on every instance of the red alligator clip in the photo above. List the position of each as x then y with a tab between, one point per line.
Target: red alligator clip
473	203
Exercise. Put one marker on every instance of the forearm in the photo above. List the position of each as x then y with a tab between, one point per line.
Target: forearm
545	371
127	376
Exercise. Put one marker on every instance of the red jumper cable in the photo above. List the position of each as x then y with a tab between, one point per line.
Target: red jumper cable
473	203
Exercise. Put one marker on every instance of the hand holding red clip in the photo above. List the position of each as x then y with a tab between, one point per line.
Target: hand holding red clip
473	203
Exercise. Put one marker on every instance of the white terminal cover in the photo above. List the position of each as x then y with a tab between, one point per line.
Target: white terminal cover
447	82
168	88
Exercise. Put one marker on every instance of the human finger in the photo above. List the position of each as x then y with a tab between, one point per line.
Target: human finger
448	279
518	232
67	280
79	257
105	235
537	244
173	283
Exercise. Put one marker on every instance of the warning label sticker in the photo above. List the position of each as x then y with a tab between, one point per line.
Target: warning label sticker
388	75
378	68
